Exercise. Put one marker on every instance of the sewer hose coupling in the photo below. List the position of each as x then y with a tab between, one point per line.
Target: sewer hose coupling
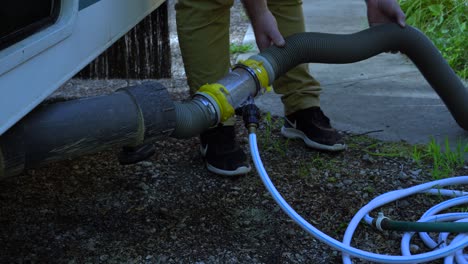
215	103
258	72
219	94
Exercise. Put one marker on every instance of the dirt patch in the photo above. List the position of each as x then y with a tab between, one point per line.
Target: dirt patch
169	209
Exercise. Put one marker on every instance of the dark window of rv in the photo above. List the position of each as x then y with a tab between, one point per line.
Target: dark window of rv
21	18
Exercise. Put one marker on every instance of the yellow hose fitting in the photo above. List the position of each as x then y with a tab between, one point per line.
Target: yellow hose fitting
219	93
260	71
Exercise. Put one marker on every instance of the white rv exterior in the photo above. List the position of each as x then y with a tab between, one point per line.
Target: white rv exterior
33	68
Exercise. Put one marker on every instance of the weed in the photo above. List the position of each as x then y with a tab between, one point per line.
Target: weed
369	189
267	137
240	48
332	179
461	209
417	154
358	141
389	149
446	162
304	170
397	149
445	22
341	227
319	162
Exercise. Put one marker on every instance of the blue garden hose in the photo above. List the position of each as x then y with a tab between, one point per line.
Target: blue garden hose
449	251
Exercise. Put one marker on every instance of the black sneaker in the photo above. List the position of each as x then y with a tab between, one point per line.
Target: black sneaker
222	154
314	128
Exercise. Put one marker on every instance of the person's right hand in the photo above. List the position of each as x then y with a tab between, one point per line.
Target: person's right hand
266	30
385	11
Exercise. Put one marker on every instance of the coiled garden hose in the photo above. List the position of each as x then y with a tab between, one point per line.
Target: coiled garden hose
387	224
451	251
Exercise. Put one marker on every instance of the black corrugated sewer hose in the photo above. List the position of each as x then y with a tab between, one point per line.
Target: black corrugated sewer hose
331	48
145	113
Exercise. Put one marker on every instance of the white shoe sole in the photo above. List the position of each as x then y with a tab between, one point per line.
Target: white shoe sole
293	133
239	171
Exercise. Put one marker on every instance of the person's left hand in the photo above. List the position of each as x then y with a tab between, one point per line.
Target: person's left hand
385	11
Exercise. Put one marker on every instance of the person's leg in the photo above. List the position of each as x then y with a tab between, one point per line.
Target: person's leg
298	88
203	31
300	91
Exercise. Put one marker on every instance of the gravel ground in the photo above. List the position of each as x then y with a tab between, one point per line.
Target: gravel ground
169	209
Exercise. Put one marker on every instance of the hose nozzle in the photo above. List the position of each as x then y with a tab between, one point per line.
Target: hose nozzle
251	115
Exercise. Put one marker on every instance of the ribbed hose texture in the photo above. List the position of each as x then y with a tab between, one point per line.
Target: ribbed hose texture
340	49
192	119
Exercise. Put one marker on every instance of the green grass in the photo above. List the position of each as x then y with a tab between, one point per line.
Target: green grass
446	161
242	48
417	154
445	22
390	149
267	135
440	160
376	148
320	162
443	160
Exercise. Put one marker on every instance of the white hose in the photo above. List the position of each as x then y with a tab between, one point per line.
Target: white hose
451	250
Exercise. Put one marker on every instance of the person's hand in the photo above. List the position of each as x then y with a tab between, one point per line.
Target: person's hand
266	30
385	11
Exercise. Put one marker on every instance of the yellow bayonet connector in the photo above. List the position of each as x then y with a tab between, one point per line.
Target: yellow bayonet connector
260	72
219	94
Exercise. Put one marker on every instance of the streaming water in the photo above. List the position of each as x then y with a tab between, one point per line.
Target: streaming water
143	53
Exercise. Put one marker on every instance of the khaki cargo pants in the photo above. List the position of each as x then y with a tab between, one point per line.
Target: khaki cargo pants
203	31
